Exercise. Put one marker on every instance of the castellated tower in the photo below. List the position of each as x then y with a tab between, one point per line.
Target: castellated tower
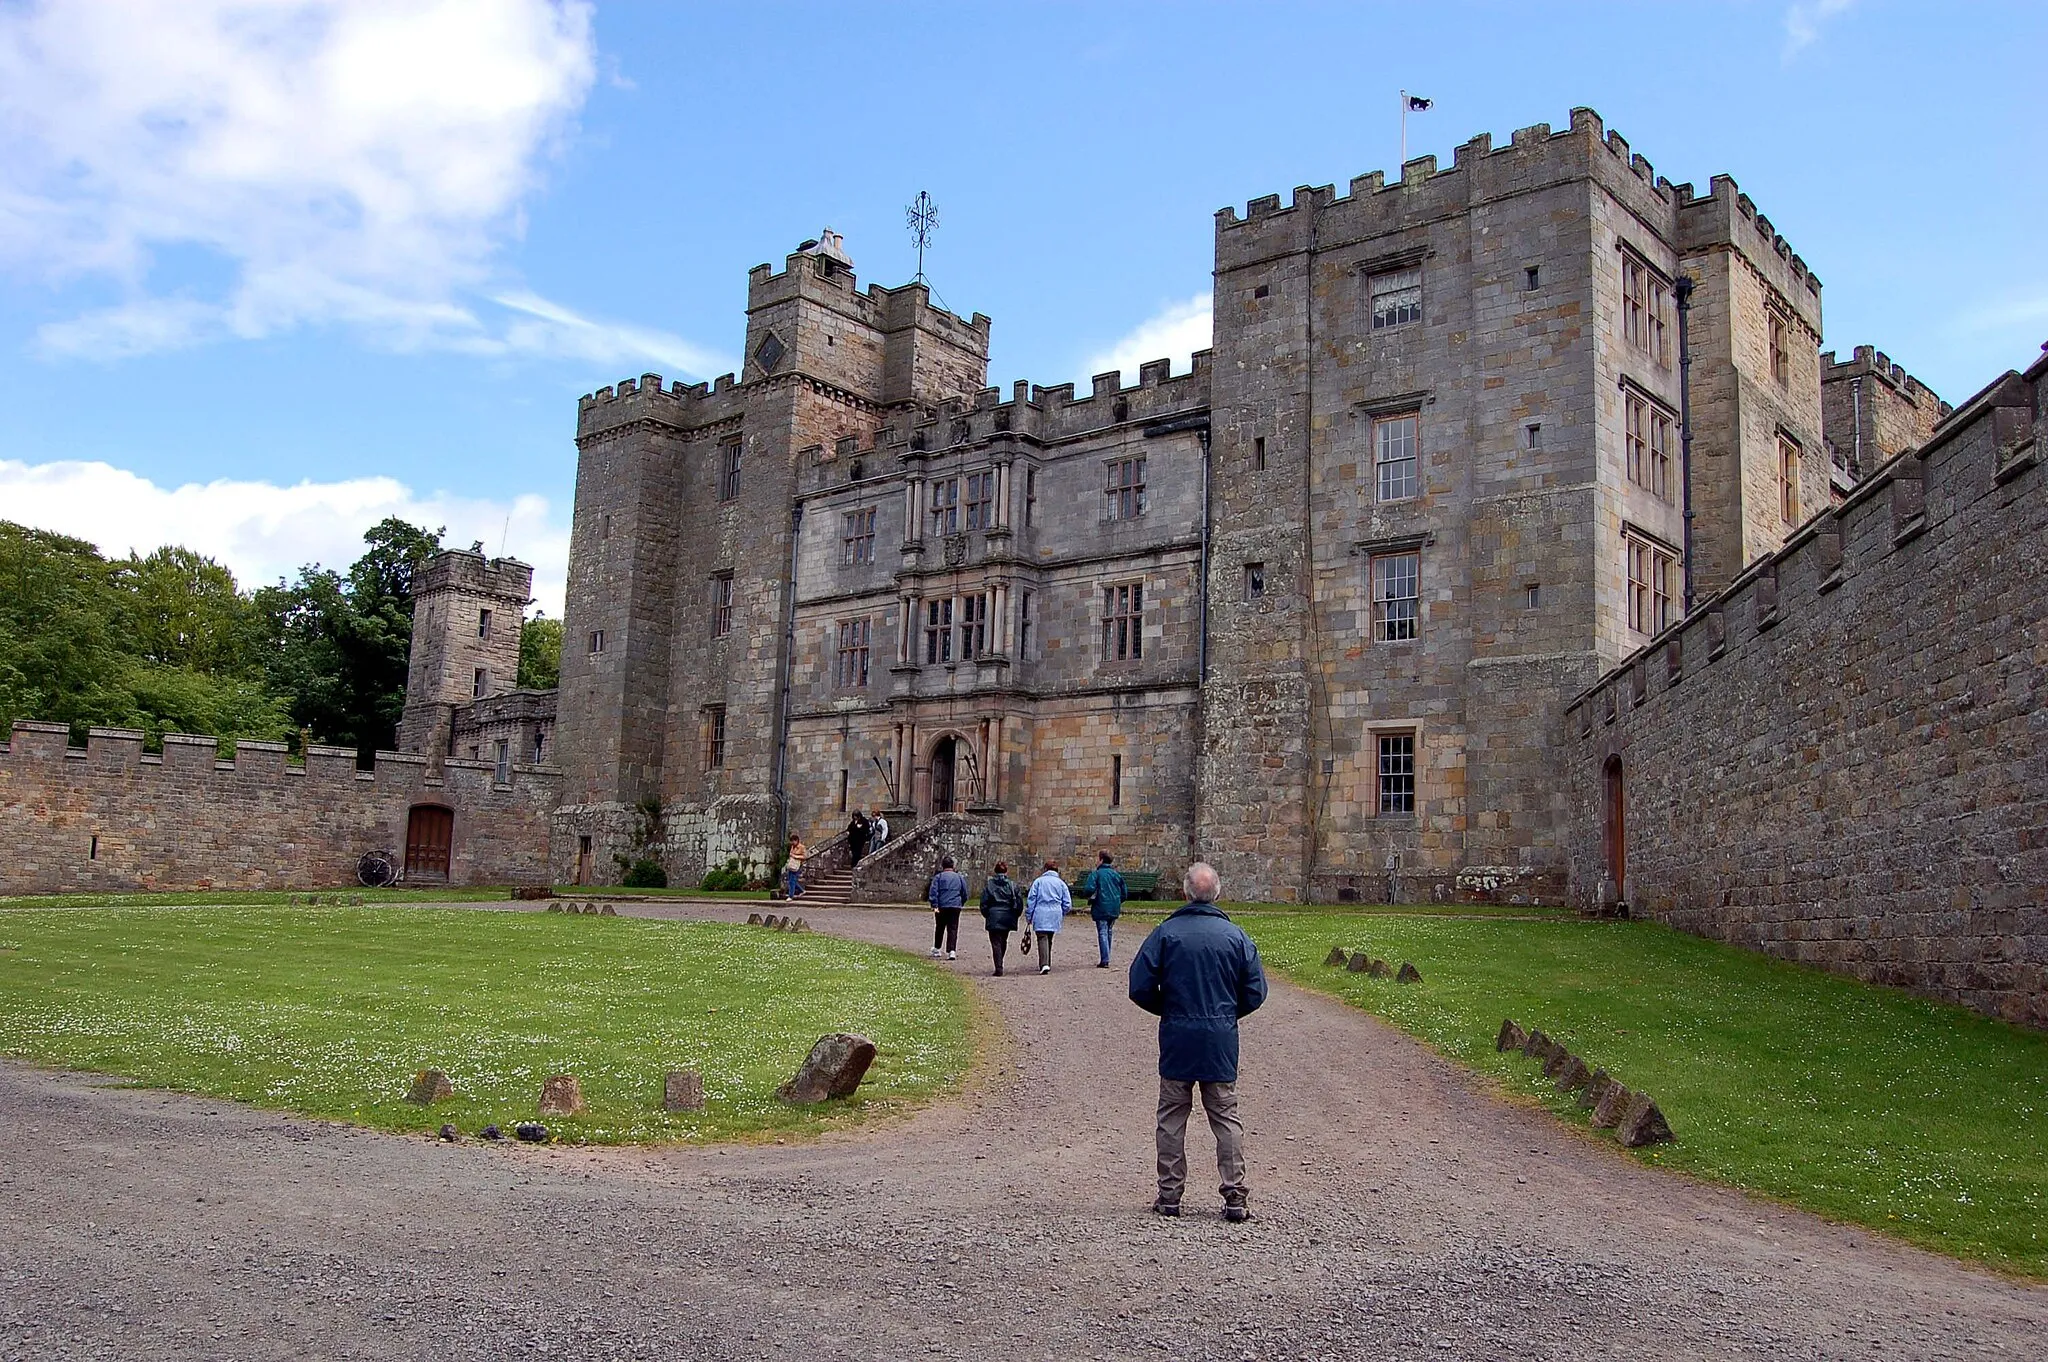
466	618
677	617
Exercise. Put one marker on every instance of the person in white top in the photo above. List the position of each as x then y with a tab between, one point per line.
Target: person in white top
1048	902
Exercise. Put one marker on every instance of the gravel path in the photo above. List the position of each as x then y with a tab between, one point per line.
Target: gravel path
1399	1213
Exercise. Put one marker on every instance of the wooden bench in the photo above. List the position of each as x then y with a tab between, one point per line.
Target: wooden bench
1138	884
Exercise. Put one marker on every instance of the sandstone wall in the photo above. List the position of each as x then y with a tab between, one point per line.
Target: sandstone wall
1840	758
111	817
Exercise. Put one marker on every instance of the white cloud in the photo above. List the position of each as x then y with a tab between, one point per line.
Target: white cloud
1803	21
263	531
1175	332
352	162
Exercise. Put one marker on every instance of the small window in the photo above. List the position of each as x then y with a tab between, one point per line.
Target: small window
1030	495
850	669
1781	357
1788	481
596	642
502	755
480	683
945	504
1650	570
94	853
1396	596
1535	595
1124	489
721	605
1647	431
540	747
981	500
1397	773
604	530
729	470
1532	277
714	737
938	630
858	536
1123	622
845	779
483	624
1116	781
1121	412
973	626
1259	453
1254	581
1532	435
1396	297
1262	291
1024	625
1394	441
1645	305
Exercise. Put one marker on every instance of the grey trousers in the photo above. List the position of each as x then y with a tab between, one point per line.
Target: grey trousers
1219	1104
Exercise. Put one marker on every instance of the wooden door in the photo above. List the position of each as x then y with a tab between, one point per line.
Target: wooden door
429	833
1616	830
942	776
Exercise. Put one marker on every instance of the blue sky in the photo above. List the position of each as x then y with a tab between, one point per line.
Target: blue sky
270	269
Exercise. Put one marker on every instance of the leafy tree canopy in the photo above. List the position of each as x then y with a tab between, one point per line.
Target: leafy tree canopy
540	653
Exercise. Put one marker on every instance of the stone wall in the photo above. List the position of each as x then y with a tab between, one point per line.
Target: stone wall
1840	758
1872	409
111	817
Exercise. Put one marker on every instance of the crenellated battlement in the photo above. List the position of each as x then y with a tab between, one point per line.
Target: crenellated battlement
1867	361
1985	445
193	757
462	570
685	406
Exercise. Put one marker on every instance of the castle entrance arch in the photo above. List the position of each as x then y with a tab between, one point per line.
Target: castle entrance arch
1614	828
429	835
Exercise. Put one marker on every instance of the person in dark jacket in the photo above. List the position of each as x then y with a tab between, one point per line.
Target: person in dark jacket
857	832
1199	973
1105	890
1001	904
948	895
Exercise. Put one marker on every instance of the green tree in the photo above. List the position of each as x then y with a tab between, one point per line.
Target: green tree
184	610
540	653
60	639
338	645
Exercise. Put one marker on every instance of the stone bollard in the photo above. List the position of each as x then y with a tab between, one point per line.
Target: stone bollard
430	1086
1359	963
833	1069
1595	1089
683	1091
1613	1103
611	910
1536	1045
1336	957
753	919
561	1095
1511	1036
1408	975
1573	1075
1379	969
1554	1062
802	925
1642	1124
554	907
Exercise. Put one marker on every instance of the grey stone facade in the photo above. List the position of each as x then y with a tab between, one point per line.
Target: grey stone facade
1871	411
1518	310
1839	758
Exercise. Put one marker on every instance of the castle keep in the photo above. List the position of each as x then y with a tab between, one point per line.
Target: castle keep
1312	610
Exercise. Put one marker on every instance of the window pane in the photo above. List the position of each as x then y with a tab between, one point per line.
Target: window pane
1397	772
1394	455
1396	596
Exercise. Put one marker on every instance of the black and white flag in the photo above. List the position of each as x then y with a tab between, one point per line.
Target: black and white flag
1416	103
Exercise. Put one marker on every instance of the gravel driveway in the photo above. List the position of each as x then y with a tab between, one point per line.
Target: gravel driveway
1399	1213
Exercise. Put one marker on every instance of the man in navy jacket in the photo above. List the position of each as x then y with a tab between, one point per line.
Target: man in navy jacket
1199	972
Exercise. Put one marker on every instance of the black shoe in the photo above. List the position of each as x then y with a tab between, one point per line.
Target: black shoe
1236	1212
1166	1208
1102	964
999	971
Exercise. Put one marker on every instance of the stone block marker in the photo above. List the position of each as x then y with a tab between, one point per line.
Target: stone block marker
1555	1061
1359	963
753	919
611	910
1642	1124
1511	1037
1336	957
1596	1088
801	925
430	1086
683	1091
1379	969
561	1095
1573	1075
1607	1112
1408	975
1536	1045
833	1069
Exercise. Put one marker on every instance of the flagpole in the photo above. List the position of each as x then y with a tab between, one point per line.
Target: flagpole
1404	127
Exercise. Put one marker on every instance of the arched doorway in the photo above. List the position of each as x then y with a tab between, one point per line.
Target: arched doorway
945	765
429	834
1615	829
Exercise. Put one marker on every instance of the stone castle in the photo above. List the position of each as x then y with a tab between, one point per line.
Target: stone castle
1385	599
1312	610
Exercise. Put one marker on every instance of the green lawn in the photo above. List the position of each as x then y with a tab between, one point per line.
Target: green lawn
330	1010
1861	1103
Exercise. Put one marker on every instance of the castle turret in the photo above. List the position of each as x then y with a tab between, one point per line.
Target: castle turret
466	617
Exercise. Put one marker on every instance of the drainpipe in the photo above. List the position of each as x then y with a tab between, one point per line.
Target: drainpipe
1202	644
1682	286
1856	408
796	525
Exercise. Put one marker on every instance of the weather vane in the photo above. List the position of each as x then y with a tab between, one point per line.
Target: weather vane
923	216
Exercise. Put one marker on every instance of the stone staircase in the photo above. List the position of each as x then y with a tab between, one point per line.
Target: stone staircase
832	889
